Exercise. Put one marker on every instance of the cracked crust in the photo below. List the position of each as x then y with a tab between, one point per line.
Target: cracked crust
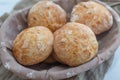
47	13
33	45
75	44
94	15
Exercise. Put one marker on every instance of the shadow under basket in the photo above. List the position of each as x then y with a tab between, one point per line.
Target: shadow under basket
14	24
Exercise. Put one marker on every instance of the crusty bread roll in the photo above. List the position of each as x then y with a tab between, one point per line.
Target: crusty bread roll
75	44
94	15
50	59
57	58
33	45
47	13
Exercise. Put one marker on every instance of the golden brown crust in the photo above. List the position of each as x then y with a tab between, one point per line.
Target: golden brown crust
75	44
57	58
94	15
33	45
47	13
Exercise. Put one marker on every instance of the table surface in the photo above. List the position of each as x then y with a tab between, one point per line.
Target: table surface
113	71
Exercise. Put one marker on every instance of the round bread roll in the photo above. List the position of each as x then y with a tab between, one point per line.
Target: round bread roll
50	59
94	15
75	44
33	45
57	58
47	13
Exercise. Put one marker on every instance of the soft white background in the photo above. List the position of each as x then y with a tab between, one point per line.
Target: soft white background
7	5
114	70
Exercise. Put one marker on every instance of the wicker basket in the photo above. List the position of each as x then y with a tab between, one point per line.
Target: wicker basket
108	42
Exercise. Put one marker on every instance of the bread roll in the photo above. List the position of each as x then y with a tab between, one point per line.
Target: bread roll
75	44
94	15
33	45
48	14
